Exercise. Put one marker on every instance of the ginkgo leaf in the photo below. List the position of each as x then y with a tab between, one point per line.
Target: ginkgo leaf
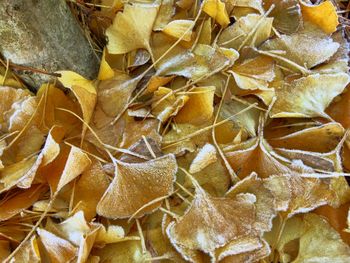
179	28
251	4
29	252
211	222
111	234
157	81
302	48
128	251
205	157
286	14
252	249
138	57
328	136
105	71
84	90
248	120
204	33
156	238
86	245
165	14
346	155
75	164
13	174
176	141
259	67
199	107
311	159
338	62
56	98
337	218
10	96
132	28
208	170
255	155
136	188
73	229
339	110
114	94
265	201
19	202
217	10
58	249
302	194
308	96
4	249
21	112
134	130
166	104
204	60
49	152
245	32
249	96
316	13
316	240
89	190
28	143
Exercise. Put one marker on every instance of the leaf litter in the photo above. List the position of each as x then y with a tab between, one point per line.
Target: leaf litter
216	131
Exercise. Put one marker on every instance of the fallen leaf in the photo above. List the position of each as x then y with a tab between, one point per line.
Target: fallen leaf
214	222
287	15
250	30
85	92
19	202
217	10
89	190
308	96
302	48
137	186
132	28
58	249
199	107
316	13
179	29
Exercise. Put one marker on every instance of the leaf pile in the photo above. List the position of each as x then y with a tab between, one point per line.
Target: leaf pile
217	131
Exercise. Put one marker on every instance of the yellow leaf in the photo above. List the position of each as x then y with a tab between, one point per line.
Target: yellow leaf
287	15
132	28
167	104
316	14
136	185
165	14
308	96
84	90
199	108
105	72
302	48
128	252
74	165
250	30
114	93
29	252
205	157
89	190
179	28
211	222
4	249
327	137
19	202
59	250
217	10
73	229
156	81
